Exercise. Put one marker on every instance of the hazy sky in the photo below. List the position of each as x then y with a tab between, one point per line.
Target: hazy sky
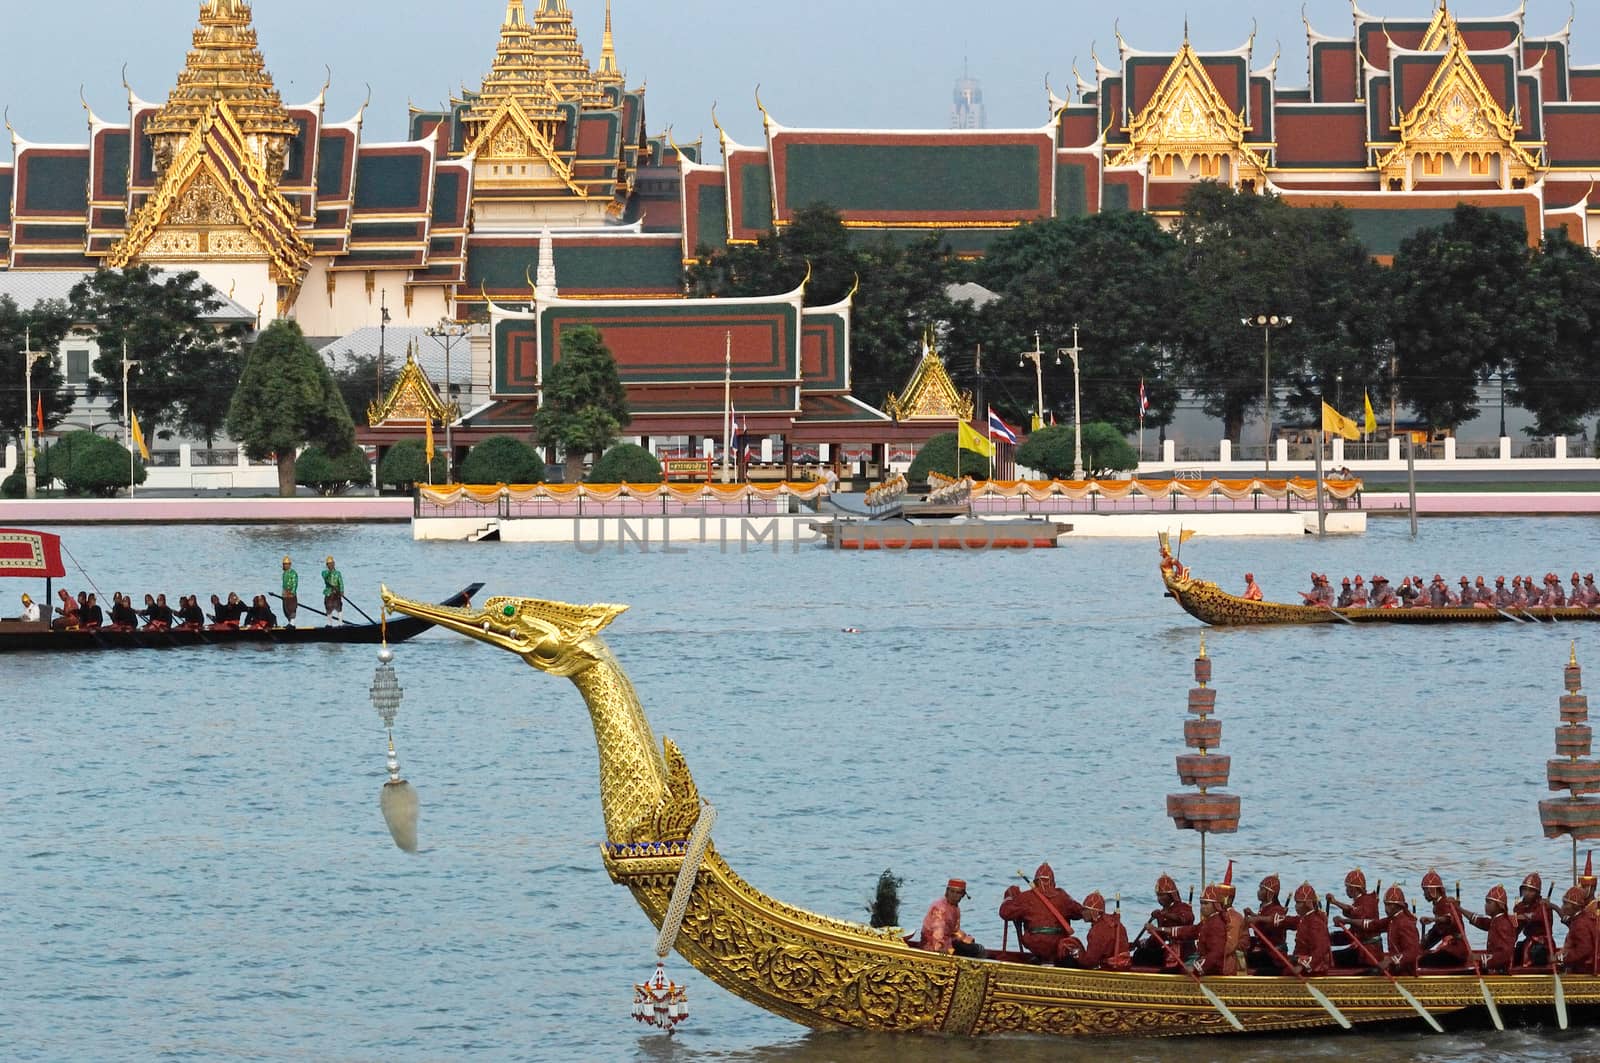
820	63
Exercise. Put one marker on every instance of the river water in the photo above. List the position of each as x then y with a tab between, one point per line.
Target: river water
195	866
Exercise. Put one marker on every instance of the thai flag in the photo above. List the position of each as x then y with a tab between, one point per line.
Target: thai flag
1144	400
998	429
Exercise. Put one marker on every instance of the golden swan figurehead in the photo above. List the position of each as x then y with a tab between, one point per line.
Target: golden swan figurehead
554	637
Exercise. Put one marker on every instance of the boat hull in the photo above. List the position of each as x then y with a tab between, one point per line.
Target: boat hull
828	974
1207	602
951	535
39	638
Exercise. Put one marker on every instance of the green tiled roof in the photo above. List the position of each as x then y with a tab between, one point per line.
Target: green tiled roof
1383	231
55	184
873	178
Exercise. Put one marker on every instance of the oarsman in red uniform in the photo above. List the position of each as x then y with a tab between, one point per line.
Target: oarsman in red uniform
1363	906
1502	597
1252	589
1575	596
1502	927
1405	943
1045	913
1312	951
941	927
1107	946
1528	914
1581	952
1238	930
1173	917
1591	595
1383	596
1445	943
1358	597
1347	597
1211	953
1268	924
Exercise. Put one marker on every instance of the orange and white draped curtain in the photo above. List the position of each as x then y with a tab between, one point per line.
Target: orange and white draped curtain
569	493
1194	490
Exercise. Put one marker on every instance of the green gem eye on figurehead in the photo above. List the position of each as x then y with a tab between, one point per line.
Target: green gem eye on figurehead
510	610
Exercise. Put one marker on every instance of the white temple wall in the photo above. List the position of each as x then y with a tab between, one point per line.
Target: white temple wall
355	303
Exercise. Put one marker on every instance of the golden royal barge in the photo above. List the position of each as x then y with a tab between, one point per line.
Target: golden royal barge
828	973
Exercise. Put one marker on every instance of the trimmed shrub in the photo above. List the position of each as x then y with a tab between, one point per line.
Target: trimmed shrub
626	463
403	466
502	460
332	474
88	464
939	455
13	486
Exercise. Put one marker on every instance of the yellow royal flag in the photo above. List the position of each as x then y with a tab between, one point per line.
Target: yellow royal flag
970	440
429	444
1185	536
1337	423
1037	423
138	436
1372	419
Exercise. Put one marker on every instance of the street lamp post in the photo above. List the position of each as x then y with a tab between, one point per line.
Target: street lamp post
449	331
383	328
1502	375
1266	323
29	356
1077	418
1036	356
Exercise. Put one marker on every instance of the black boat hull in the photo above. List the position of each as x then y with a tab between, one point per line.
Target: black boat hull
37	639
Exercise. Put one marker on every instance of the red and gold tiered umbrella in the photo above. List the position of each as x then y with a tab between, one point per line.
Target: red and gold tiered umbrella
1575	814
1206	811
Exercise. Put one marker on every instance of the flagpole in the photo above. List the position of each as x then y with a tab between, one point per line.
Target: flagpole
727	401
29	356
1141	422
127	417
1322	513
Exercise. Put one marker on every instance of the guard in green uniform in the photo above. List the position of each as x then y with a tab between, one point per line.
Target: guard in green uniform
333	594
291	592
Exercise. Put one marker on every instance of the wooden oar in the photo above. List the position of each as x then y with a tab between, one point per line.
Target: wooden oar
1477	965
1338	614
1215	1000
1555	972
1316	994
1508	616
358	609
299	604
1066	926
1416	1005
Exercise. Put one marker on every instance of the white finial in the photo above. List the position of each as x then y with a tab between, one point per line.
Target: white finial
544	285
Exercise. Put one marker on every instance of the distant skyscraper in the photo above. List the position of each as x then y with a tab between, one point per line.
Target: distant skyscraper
967	113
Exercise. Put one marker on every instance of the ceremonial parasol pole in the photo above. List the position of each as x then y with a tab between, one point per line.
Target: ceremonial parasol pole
1204	811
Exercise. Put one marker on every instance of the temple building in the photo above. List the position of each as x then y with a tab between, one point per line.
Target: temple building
547	166
1400	121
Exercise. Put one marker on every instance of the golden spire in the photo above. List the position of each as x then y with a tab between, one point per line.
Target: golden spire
538	66
608	74
225	66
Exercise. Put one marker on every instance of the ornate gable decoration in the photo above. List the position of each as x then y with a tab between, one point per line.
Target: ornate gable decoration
1187	118
214	200
511	136
1457	118
411	400
930	395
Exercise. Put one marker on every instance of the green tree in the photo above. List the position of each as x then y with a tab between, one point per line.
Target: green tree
357	380
1245	254
939	455
1558	380
402	466
88	464
188	360
287	398
626	463
502	460
43	326
899	291
1463	293
585	406
1117	277
1105	450
332	474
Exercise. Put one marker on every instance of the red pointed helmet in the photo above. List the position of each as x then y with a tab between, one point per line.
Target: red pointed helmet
1165	884
1356	879
1045	875
1394	895
1432	879
1305	892
1095	902
1498	894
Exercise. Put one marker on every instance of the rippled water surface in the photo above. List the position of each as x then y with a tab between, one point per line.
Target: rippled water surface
194	865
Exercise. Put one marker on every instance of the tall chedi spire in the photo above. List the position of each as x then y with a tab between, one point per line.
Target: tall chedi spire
538	65
1206	812
1575	814
224	66
608	74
